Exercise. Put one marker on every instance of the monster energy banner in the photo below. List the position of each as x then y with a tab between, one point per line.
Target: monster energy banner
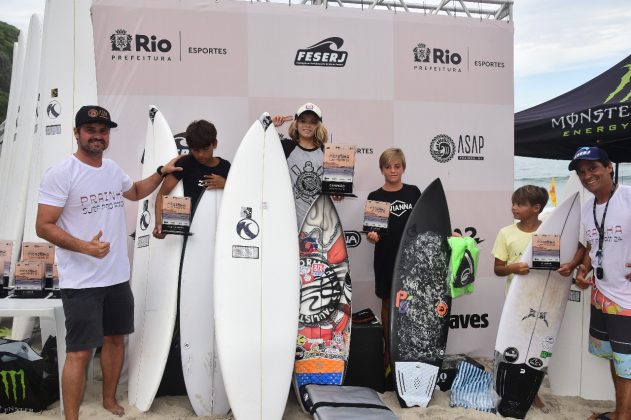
596	113
23	383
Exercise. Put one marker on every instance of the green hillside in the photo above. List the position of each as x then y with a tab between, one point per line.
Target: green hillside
8	35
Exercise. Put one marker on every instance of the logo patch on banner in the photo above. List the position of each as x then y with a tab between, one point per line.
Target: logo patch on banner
470	147
436	59
325	53
442	148
139	47
121	40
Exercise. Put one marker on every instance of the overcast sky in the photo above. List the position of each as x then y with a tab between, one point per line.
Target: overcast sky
559	44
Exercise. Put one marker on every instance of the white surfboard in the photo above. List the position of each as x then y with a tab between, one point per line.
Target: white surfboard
256	277
154	277
578	373
200	364
532	314
12	219
63	87
12	113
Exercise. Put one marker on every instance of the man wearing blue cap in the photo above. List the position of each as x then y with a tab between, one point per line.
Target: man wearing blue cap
607	223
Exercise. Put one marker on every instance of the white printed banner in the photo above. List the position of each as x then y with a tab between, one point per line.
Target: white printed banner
441	88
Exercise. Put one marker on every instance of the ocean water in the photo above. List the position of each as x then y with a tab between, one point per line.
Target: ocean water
540	172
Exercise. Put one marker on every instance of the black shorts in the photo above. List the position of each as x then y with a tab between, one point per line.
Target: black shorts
96	312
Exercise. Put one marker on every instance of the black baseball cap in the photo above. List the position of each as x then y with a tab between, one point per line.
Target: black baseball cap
588	153
93	114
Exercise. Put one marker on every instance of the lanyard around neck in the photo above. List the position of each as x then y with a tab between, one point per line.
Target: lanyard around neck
601	228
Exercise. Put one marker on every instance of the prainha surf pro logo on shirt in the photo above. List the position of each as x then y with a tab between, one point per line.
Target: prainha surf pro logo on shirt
325	53
140	47
470	147
101	201
436	59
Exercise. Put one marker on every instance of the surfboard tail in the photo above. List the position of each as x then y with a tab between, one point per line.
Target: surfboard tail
517	385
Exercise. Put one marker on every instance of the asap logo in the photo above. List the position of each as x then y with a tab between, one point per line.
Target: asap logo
468	321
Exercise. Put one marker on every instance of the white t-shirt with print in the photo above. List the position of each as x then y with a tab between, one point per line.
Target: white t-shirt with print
616	247
92	200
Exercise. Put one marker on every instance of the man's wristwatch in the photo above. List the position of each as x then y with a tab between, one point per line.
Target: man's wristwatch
159	171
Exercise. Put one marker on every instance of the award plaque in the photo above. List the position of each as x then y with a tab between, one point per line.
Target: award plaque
176	215
338	169
546	251
376	214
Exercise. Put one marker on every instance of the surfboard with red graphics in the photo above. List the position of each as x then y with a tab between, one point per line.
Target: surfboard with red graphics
421	299
324	322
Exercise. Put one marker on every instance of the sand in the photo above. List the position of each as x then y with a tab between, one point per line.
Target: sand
180	408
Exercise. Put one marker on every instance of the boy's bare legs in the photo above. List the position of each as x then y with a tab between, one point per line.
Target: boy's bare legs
385	320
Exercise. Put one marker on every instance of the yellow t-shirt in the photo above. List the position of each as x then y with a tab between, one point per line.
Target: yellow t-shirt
510	244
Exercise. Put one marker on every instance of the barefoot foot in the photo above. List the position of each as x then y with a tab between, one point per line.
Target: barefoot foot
538	402
114	408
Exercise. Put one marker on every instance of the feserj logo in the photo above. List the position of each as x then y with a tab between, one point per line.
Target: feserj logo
325	53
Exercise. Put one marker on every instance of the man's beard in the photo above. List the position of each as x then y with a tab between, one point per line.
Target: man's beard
96	152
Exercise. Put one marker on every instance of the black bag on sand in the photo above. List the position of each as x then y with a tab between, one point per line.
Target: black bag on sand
332	402
24	385
365	359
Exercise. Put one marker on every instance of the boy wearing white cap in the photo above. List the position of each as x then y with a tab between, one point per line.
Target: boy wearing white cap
304	153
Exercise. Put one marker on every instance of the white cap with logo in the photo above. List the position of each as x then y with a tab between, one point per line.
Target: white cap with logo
309	107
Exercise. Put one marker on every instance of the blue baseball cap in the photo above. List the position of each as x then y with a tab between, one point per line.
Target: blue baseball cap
588	153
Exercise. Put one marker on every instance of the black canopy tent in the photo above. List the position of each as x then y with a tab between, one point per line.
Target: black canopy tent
598	113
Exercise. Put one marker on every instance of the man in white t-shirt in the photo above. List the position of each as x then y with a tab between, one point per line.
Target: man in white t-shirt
81	211
607	223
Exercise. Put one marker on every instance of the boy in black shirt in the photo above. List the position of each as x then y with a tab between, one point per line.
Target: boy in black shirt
200	169
402	198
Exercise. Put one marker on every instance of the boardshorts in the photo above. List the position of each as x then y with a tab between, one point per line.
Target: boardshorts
610	332
96	312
